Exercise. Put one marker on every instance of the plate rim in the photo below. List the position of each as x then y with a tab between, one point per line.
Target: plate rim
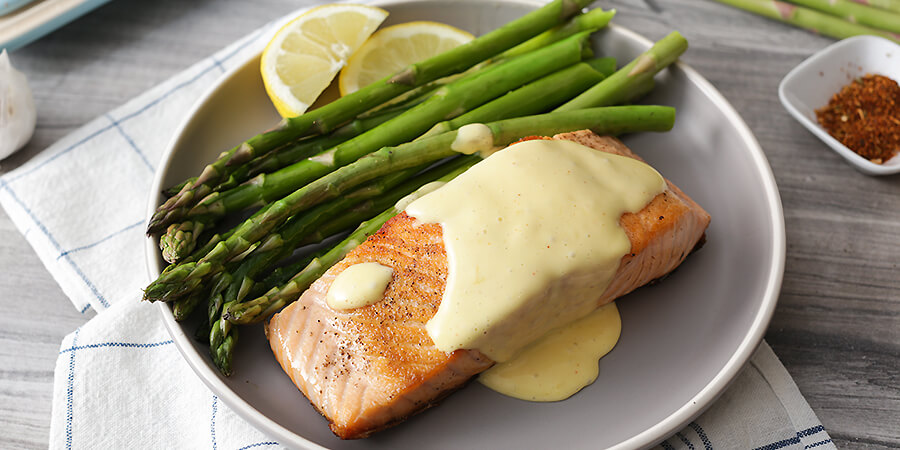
679	418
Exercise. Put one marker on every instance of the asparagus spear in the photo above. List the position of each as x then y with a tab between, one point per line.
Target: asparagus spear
854	12
282	242
888	5
412	98
807	18
174	190
279	244
213	306
183	278
279	276
244	277
536	97
183	308
450	100
633	79
210	244
332	115
358	205
272	161
264	306
221	344
363	203
306	147
181	239
592	20
222	354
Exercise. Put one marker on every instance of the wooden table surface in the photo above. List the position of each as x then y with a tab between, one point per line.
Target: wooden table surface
837	325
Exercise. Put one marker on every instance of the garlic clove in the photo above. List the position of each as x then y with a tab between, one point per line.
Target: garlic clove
17	111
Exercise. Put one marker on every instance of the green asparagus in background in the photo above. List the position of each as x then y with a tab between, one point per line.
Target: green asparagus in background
857	13
888	5
810	19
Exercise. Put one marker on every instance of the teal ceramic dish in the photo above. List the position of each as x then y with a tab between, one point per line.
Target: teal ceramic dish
23	21
12	5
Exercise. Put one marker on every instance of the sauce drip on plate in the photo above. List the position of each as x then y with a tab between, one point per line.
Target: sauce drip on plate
561	363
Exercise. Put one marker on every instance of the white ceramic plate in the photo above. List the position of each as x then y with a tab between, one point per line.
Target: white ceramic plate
810	85
683	340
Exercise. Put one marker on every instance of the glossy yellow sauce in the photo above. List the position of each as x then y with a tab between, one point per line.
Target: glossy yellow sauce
425	189
472	138
358	285
533	239
561	363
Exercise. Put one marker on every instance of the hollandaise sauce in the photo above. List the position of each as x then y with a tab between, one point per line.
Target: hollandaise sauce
358	285
560	363
472	138
533	239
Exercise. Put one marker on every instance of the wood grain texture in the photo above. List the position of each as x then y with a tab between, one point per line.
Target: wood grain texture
837	325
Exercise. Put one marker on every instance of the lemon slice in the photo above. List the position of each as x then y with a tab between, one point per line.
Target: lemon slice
396	47
305	55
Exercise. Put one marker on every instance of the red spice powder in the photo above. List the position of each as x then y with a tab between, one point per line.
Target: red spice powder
865	116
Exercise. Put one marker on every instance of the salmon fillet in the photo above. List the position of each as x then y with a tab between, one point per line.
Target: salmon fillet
370	368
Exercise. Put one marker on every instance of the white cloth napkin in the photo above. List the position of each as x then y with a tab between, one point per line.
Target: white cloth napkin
121	383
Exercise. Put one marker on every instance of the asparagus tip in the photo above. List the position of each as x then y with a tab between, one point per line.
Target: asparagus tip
243	154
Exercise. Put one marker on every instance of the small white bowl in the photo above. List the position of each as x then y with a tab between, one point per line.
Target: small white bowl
812	83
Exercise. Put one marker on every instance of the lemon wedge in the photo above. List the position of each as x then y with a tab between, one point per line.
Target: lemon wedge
395	47
303	57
